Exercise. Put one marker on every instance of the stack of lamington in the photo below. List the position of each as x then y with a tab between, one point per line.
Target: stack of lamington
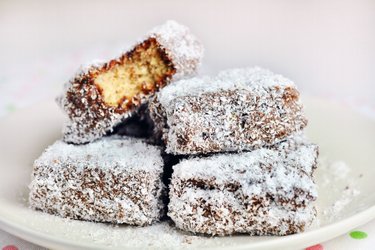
250	169
241	161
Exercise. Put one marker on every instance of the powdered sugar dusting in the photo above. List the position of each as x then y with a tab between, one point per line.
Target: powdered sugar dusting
156	236
346	188
340	169
346	197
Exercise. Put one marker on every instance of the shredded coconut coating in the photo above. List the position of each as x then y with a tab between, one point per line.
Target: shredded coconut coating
115	179
268	191
240	109
89	118
182	47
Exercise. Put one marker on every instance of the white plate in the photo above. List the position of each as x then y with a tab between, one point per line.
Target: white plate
341	134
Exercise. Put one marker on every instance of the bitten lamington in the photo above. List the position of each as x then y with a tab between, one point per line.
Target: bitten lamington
240	109
100	96
269	191
114	179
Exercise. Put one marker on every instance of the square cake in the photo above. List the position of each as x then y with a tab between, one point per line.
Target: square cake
269	191
238	110
114	179
101	95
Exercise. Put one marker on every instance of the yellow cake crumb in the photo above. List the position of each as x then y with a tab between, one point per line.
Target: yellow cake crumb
140	71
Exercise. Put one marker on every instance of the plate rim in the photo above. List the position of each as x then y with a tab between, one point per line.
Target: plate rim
309	238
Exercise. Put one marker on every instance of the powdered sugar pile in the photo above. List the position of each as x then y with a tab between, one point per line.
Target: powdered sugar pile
345	188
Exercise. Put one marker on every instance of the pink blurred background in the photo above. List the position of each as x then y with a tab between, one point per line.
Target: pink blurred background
326	47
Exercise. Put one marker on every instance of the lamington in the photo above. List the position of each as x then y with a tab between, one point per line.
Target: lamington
114	179
102	95
237	110
268	191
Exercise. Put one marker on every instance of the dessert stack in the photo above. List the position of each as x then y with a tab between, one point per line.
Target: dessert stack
249	167
241	163
93	174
